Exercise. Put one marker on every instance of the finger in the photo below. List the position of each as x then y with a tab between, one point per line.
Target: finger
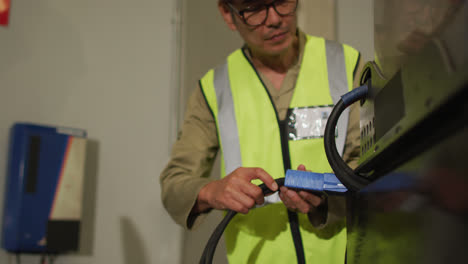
245	200
238	207
283	189
287	202
301	167
284	197
241	184
258	173
312	199
298	202
254	192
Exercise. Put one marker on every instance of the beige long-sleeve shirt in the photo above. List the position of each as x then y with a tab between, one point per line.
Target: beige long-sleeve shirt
194	152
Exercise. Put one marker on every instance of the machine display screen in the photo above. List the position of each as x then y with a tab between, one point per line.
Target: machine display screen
389	106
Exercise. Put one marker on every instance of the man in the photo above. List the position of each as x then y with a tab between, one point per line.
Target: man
245	108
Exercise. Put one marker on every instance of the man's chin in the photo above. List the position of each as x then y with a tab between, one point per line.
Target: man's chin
280	46
278	49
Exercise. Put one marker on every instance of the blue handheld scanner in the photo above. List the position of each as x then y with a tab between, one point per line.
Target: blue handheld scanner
313	181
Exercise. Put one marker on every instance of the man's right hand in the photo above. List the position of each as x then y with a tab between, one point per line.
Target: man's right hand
235	191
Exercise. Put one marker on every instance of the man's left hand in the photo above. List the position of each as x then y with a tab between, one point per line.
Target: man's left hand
298	200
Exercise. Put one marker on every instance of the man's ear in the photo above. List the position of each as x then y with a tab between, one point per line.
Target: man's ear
227	15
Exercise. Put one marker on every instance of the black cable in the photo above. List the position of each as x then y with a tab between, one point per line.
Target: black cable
343	172
296	236
210	248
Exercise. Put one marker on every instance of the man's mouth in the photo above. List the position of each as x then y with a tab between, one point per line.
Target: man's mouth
277	36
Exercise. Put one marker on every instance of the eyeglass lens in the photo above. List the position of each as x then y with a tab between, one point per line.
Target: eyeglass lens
257	15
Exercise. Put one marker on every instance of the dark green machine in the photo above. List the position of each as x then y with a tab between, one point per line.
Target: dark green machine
414	138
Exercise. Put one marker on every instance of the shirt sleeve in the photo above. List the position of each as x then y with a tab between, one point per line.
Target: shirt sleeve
190	163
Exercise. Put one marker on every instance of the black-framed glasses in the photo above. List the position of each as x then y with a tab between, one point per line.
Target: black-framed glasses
257	14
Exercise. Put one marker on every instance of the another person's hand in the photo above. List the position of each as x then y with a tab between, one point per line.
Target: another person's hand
235	191
301	201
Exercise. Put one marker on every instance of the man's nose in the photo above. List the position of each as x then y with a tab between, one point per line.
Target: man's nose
273	19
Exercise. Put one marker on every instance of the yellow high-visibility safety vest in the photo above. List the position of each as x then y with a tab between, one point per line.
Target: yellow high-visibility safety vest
251	135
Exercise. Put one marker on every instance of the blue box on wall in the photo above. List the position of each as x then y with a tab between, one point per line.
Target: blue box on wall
44	189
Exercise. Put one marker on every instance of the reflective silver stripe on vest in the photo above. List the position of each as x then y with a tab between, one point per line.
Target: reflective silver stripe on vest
227	120
338	82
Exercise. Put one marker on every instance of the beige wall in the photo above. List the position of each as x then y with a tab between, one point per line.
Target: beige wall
104	66
355	25
350	22
318	17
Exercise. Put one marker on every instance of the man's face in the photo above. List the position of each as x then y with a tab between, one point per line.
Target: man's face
273	37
